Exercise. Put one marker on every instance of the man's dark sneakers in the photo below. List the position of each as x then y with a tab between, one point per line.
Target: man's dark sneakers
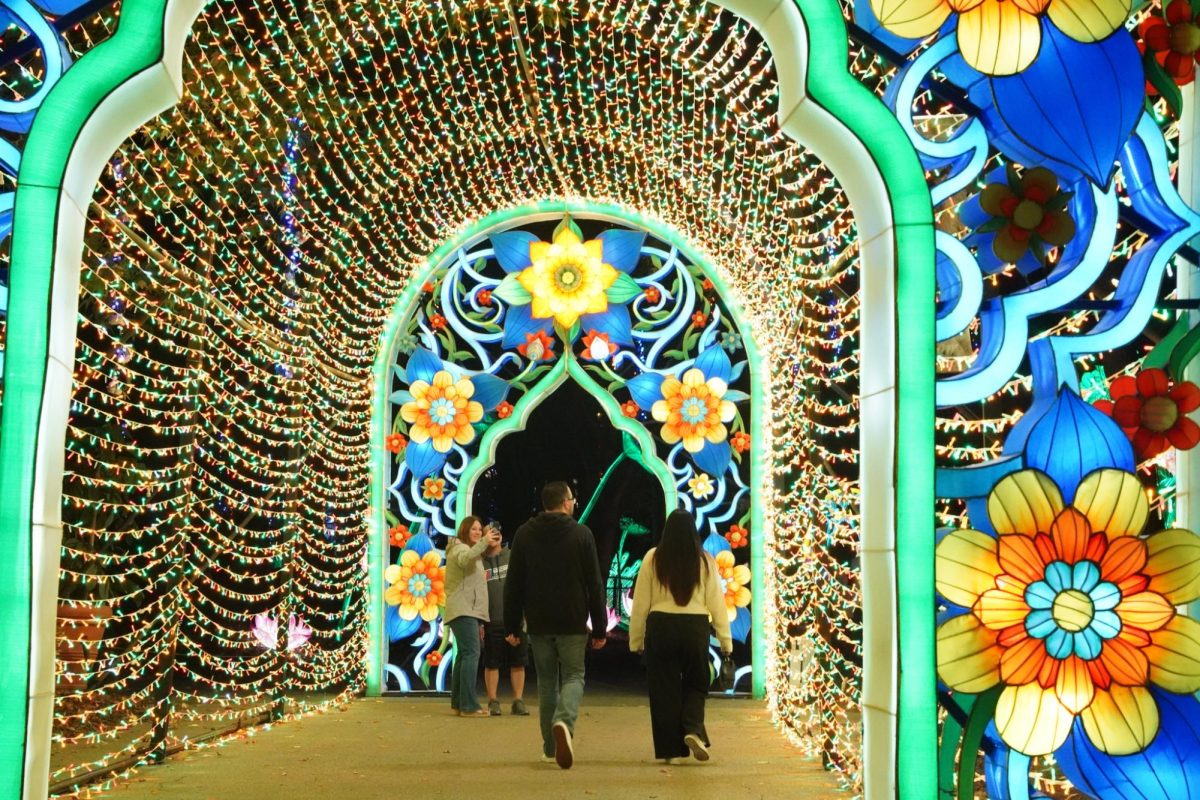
697	746
564	753
519	709
494	707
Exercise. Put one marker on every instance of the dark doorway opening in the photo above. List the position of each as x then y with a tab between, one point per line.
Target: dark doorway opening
570	437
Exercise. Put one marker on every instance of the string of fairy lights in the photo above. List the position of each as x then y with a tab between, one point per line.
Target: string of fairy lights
242	256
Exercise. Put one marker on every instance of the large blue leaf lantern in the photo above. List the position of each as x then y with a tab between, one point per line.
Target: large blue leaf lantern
1076	104
1073	439
1166	770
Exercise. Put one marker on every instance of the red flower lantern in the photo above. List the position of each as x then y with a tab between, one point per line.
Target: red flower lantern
437	322
395	443
1174	42
740	441
699	319
1152	408
504	410
652	294
629	409
398	535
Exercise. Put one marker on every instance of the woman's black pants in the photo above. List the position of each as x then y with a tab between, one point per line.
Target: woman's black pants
678	678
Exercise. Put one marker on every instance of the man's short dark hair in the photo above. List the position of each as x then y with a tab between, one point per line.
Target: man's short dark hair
554	494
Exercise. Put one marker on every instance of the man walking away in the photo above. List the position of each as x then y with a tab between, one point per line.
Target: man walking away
554	585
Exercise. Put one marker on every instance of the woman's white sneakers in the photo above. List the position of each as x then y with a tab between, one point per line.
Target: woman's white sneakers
697	746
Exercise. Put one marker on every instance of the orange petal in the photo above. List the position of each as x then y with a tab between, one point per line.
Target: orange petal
1070	533
1100	674
1175	656
1128	665
1048	674
1019	557
1074	686
1022	663
1126	555
1146	610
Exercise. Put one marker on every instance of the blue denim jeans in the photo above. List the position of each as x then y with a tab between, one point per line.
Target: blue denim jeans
466	664
559	663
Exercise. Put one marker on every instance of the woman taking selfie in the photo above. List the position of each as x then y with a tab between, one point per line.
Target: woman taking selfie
467	610
677	593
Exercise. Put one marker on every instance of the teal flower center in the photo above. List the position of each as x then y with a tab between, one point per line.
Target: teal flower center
1073	610
418	586
442	411
693	411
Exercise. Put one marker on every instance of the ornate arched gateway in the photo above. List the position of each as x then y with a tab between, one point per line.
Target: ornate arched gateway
534	107
210	455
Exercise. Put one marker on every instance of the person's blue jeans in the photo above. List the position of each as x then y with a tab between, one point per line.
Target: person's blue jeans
559	663
466	664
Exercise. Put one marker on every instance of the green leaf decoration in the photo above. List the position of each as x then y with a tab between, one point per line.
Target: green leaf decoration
568	224
1163	83
629	447
623	289
512	292
1183	353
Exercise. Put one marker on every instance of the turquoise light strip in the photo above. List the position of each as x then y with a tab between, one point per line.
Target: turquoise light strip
833	88
136	45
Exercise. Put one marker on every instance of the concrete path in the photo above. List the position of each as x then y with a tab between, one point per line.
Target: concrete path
394	748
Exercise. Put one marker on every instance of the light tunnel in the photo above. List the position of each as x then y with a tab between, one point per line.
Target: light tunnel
226	215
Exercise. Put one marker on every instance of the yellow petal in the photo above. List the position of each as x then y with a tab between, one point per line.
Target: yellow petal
408	558
1088	20
1174	654
1146	610
741	574
1024	502
464	435
966	566
1121	720
442	443
392	573
565	235
727	411
999	609
409	412
418	433
693	377
443	379
537	251
998	38
474	411
967	654
1174	565
1031	720
1113	502
912	19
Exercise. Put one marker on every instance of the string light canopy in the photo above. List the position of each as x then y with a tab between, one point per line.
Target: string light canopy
243	256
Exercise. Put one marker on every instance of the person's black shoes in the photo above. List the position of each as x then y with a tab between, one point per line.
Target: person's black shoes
519	709
494	707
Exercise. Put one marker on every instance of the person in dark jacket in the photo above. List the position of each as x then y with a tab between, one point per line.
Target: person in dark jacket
554	585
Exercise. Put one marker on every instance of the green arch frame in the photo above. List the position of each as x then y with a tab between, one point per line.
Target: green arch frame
566	368
137	73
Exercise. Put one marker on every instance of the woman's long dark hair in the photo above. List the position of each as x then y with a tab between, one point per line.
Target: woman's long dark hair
679	556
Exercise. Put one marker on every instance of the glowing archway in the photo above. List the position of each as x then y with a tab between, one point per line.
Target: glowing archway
137	74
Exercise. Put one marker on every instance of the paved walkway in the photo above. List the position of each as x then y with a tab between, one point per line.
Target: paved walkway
390	748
